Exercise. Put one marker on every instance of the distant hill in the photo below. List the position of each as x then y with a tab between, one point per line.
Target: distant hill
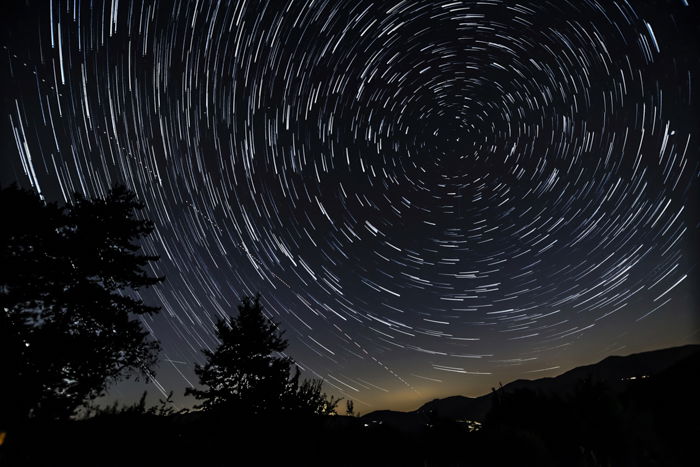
616	371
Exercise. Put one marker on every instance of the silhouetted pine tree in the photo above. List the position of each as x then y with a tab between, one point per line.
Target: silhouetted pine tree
247	373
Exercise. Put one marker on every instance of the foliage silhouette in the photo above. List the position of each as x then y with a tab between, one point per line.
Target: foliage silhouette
163	408
68	311
349	408
647	422
247	373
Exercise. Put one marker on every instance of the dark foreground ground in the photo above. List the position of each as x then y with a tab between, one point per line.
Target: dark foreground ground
647	422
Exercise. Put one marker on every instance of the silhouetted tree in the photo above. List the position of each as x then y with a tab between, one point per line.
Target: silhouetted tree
68	325
307	398
349	408
248	374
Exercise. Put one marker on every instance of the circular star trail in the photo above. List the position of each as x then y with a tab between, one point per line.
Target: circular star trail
431	196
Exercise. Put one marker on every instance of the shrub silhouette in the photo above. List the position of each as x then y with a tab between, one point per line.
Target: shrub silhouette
67	317
248	375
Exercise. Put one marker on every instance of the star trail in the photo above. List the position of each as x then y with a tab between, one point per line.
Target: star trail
431	196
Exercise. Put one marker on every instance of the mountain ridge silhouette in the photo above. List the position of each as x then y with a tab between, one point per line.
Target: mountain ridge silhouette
614	370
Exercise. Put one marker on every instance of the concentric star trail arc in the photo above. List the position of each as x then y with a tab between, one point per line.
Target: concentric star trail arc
431	196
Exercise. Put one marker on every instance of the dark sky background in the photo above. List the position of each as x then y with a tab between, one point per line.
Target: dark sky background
432	196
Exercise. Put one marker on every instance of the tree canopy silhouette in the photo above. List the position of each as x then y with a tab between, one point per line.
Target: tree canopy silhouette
68	309
248	374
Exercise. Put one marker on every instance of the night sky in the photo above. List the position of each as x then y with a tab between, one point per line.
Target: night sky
432	196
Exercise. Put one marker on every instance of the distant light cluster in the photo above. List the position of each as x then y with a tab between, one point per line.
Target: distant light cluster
422	190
